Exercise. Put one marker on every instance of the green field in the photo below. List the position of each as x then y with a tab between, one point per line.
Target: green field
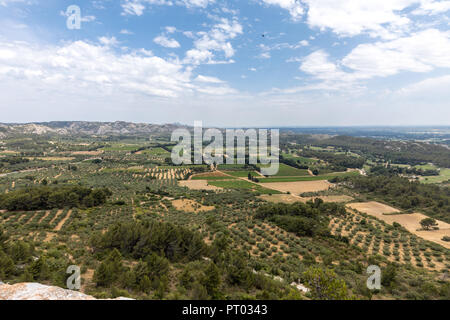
156	152
184	166
298	158
426	167
308	178
288	171
242	174
400	165
243	185
444	176
213	178
122	147
321	148
239	167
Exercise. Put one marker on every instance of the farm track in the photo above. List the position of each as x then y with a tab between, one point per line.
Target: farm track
45	216
21	171
56	216
63	221
31	217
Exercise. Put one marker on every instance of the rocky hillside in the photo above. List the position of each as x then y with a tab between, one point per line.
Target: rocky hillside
37	291
84	127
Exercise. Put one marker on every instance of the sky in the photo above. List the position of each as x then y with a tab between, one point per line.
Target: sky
227	62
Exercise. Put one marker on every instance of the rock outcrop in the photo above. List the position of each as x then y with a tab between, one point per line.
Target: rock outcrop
37	291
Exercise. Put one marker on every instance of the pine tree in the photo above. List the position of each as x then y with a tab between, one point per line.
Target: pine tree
211	280
325	285
103	275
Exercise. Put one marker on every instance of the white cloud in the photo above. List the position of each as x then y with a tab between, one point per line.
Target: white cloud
133	8
430	88
387	19
303	43
125	31
137	7
79	65
266	49
170	29
295	7
109	42
265	55
317	64
166	42
421	52
88	18
223	90
353	17
215	40
207	79
432	7
196	56
5	3
195	3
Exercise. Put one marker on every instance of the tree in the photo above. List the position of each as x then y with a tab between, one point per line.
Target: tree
157	266
21	252
3	238
145	284
389	275
39	269
428	223
325	285
6	265
211	281
103	275
109	270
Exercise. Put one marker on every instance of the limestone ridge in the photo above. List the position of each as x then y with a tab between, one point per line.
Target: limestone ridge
37	291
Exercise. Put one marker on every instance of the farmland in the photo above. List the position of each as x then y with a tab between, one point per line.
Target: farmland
343	219
242	185
288	171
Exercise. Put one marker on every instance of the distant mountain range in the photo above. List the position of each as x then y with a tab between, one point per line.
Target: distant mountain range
86	128
92	128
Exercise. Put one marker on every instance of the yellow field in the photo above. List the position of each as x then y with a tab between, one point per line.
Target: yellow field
411	222
198	185
187	205
373	208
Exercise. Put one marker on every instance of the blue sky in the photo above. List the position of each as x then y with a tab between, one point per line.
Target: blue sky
227	63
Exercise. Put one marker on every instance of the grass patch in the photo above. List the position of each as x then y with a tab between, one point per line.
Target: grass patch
288	171
242	185
308	178
242	174
156	152
442	177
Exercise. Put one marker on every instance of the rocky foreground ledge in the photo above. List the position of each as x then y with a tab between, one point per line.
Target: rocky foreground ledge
37	291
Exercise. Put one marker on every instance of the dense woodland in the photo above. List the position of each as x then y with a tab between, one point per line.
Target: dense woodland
404	152
207	272
308	219
392	171
50	197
